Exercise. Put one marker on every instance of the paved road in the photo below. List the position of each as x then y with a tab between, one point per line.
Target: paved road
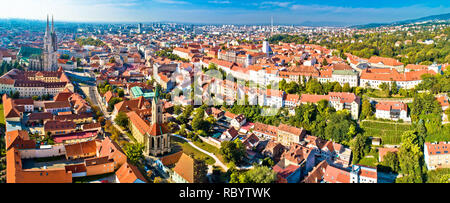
92	92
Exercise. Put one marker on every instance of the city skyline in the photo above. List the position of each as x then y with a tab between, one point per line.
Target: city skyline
338	13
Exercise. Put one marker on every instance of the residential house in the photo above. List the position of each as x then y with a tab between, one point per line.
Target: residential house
437	155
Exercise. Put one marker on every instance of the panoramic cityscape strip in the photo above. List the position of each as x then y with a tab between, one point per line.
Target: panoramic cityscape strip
167	102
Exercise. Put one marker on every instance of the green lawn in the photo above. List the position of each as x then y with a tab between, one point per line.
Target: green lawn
390	132
211	149
378	94
188	149
369	161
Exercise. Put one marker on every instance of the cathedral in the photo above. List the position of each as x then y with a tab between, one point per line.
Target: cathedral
47	59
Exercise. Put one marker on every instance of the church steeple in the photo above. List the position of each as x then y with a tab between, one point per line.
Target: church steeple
53	27
47	30
156	107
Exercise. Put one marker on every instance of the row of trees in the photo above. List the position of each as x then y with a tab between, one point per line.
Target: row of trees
313	86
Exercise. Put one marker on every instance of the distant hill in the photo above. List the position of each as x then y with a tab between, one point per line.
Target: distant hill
404	22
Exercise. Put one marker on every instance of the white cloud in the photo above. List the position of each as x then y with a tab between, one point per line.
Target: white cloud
219	2
172	2
275	3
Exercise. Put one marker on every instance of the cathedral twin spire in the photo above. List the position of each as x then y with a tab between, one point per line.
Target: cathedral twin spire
50	47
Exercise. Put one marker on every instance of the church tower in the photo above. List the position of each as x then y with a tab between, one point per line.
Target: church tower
157	116
50	48
158	136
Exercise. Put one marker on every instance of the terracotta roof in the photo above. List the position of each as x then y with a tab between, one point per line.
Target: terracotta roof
266	129
128	173
336	175
111	149
57	104
311	98
317	174
62	96
18	139
291	129
438	148
185	168
383	151
393	75
80	149
388	106
59	125
297	153
443	101
385	61
171	158
138	122
108	95
8	107
285	172
40	116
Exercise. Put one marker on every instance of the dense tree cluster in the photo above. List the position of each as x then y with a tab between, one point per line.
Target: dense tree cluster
259	174
5	67
167	53
122	119
82	41
232	151
435	83
411	158
134	152
395	45
286	38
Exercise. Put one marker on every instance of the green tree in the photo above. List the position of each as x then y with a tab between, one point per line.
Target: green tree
394	88
337	87
200	170
411	158
366	109
177	109
232	151
259	174
121	119
113	101
338	127
120	93
134	152
268	162
357	145
346	88
391	161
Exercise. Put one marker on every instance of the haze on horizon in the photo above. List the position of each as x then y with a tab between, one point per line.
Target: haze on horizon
340	12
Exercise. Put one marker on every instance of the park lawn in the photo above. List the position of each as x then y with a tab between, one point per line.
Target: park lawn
368	161
188	149
379	94
389	132
211	149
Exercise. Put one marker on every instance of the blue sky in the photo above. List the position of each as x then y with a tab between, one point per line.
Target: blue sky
225	11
